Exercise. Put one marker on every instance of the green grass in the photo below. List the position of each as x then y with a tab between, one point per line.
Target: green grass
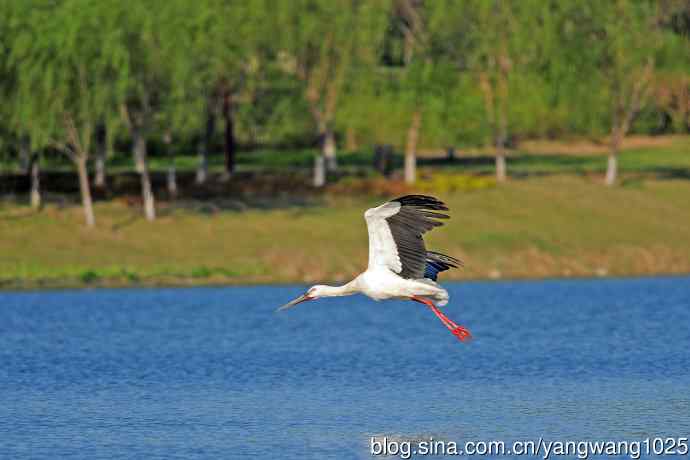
557	225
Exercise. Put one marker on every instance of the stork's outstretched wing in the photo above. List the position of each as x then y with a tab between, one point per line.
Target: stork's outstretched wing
395	235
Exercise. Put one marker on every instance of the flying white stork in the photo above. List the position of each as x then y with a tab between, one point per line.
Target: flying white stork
400	267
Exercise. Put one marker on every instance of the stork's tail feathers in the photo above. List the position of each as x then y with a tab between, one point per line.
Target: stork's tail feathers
437	263
442	298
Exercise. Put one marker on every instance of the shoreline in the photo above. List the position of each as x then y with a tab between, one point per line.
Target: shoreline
182	283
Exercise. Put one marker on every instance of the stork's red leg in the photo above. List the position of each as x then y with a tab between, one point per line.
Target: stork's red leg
461	332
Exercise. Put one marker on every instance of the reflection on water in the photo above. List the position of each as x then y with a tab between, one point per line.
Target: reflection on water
214	373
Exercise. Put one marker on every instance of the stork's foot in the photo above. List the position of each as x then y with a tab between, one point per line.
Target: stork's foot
461	332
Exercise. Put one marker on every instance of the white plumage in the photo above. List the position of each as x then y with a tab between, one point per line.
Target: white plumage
400	267
382	249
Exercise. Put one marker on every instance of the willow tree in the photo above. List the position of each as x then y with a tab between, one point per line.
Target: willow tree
217	69
410	19
421	78
622	46
630	38
147	31
13	129
413	93
672	82
68	84
385	99
321	43
501	40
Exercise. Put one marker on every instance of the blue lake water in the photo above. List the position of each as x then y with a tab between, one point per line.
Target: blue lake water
215	373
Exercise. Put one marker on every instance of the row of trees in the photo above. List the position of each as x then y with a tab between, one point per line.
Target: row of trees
75	75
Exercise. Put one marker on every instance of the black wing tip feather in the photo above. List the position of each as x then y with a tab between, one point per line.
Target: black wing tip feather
422	201
450	261
437	263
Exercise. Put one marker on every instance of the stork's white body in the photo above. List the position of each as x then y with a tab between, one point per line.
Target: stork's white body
400	267
380	283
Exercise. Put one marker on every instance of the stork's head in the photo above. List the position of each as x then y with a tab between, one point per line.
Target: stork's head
312	293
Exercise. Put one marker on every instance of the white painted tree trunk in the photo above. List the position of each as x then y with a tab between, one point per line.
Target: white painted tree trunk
319	171
35	172
411	148
410	168
147	193
329	150
501	168
612	164
612	169
143	170
85	189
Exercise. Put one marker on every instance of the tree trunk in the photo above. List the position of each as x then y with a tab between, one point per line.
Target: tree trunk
501	139
172	180
230	145
85	190
501	167
172	173
202	169
383	159
101	152
411	148
328	148
25	154
143	170
319	171
35	173
612	169
612	166
204	146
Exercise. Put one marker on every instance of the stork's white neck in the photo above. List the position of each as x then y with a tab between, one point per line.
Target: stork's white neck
336	291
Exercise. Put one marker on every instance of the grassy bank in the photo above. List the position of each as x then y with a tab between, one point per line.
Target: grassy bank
557	225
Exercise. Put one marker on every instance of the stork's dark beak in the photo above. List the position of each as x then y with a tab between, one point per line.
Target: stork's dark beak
292	303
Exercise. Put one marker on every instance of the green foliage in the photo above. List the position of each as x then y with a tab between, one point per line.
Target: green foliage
67	61
89	276
475	69
200	272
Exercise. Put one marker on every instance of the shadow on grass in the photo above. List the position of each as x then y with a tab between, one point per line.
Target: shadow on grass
282	179
211	205
531	163
126	222
672	173
535	165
